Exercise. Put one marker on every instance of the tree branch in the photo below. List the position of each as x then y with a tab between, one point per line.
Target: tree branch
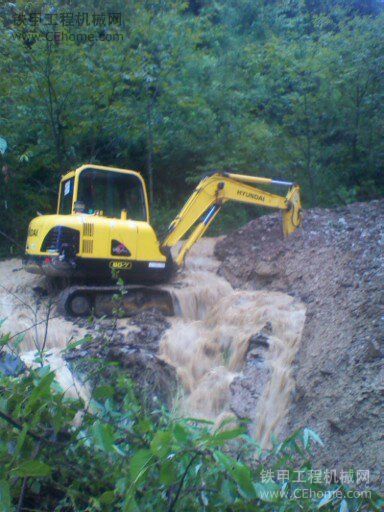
174	501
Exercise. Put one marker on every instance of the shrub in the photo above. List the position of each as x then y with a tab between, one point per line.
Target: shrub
118	457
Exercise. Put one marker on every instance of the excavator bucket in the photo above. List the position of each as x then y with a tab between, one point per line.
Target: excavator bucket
292	216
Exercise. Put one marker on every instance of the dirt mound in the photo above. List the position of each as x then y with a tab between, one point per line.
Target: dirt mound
334	264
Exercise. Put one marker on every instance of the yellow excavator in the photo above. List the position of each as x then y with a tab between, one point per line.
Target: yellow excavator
102	231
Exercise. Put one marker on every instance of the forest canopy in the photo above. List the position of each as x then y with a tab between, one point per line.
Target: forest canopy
291	89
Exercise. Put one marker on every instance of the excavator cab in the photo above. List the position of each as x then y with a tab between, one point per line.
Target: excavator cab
92	191
101	227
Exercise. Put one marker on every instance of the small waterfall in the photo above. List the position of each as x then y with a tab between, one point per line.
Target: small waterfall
208	343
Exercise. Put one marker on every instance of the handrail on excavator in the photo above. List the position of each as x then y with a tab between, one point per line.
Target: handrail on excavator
262	181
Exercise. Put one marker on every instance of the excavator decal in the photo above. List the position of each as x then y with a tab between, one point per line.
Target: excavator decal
33	232
120	265
256	197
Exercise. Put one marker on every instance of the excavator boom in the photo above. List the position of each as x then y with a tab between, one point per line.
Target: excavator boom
218	188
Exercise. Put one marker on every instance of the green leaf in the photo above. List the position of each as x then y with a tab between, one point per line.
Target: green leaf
103	435
103	392
310	434
268	491
180	433
33	468
243	477
5	496
227	462
144	426
168	474
228	491
130	505
377	502
3	145
328	496
161	443
139	463
78	343
239	472
107	498
40	391
227	435
21	439
204	499
343	507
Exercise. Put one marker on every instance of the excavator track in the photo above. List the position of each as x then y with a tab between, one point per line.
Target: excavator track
127	300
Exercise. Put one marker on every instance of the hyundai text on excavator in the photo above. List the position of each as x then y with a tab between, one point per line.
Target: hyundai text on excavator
102	231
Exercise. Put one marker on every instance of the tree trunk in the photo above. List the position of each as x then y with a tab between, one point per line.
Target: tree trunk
150	149
308	155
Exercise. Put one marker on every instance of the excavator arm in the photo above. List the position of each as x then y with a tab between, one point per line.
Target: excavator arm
215	190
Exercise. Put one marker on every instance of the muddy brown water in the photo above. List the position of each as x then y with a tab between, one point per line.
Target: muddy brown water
207	342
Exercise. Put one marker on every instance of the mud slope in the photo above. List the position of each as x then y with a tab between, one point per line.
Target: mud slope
334	265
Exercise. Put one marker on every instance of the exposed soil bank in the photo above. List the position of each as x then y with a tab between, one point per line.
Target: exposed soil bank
130	347
334	265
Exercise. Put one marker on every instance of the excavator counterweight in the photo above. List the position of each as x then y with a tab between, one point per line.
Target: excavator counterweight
102	231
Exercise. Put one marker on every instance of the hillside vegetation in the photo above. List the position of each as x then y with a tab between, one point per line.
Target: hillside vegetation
290	89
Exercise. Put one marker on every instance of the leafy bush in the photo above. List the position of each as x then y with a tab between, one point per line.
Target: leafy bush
58	454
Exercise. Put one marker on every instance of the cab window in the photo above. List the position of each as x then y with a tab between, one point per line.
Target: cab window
66	197
108	193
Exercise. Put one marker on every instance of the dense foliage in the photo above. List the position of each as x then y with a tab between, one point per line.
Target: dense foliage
58	454
174	88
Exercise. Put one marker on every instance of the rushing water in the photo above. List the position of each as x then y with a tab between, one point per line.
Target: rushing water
35	320
207	342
